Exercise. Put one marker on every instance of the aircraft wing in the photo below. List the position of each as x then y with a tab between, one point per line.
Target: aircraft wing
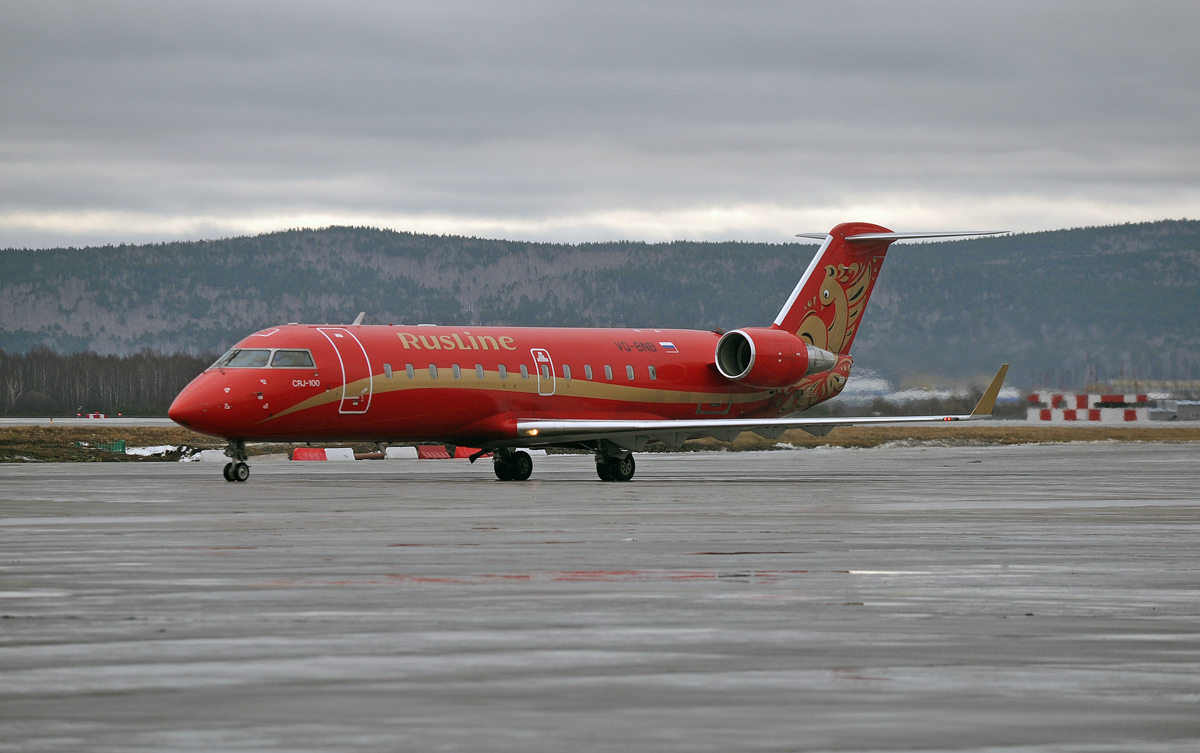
633	435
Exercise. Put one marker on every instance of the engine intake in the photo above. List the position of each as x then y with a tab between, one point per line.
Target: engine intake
769	358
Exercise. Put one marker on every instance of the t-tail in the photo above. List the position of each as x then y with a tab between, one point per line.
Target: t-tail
827	305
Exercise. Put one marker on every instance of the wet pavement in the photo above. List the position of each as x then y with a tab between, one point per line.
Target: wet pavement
100	423
1038	597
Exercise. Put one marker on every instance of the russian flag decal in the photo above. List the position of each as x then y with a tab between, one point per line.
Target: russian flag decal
668	347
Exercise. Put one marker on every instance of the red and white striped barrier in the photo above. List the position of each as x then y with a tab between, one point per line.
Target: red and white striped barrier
1083	402
432	452
1095	408
322	453
1093	415
467	452
421	452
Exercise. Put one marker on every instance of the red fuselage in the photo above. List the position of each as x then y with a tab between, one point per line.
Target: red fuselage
470	385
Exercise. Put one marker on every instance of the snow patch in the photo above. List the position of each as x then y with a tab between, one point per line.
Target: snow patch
158	449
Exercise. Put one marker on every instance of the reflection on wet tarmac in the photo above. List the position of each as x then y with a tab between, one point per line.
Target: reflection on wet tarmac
895	598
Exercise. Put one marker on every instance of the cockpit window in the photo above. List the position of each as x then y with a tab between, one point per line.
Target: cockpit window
258	358
220	362
241	358
295	358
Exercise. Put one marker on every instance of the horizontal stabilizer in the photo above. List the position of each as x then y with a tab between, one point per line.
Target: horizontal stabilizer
862	237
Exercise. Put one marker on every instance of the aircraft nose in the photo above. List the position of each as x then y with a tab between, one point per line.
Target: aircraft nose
191	407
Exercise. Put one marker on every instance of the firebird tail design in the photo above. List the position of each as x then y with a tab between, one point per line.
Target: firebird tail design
828	302
827	305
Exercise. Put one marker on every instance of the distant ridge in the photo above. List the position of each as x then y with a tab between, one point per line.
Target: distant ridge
1121	299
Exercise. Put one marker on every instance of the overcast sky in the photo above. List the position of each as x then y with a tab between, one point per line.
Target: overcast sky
132	122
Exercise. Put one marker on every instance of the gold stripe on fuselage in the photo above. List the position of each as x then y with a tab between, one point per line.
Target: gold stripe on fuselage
581	388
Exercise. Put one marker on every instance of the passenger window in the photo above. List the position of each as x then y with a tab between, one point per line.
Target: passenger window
545	371
433	371
479	371
387	370
587	371
457	371
566	371
608	372
629	372
247	359
293	358
503	371
408	368
653	373
524	371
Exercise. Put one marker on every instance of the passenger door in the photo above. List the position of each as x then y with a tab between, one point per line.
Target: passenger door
358	384
544	366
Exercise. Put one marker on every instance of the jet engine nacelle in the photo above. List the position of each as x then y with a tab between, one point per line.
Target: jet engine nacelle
769	358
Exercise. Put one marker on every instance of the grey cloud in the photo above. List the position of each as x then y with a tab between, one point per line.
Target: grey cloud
512	110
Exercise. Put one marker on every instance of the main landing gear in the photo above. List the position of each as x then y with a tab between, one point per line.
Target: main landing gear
613	468
236	469
512	466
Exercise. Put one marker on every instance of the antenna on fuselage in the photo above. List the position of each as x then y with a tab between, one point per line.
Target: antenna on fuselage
358	319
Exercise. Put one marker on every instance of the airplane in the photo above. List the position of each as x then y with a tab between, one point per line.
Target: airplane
507	389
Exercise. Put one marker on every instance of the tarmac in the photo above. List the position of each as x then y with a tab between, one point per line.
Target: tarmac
1017	598
98	422
993	422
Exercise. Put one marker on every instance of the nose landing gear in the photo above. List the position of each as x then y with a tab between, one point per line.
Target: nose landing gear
237	469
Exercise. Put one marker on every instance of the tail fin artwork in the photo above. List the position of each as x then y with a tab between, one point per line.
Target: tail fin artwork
827	305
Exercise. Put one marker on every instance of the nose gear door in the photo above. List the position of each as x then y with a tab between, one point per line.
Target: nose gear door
544	366
357	380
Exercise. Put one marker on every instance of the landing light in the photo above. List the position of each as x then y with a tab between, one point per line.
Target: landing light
531	433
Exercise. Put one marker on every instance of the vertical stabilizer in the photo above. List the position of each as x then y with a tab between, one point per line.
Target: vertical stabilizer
828	303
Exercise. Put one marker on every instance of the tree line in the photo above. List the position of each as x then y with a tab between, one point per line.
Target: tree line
44	383
1058	306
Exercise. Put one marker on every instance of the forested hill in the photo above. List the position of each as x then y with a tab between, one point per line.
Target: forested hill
1122	297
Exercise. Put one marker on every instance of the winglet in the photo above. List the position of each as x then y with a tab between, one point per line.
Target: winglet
988	402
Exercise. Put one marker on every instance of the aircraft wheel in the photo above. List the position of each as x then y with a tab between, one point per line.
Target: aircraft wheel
228	472
621	469
240	472
602	469
520	466
502	468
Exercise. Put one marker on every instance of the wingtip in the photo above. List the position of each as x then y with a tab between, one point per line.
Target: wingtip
987	403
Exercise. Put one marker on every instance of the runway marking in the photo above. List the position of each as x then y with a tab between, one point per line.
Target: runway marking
731	554
583	576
